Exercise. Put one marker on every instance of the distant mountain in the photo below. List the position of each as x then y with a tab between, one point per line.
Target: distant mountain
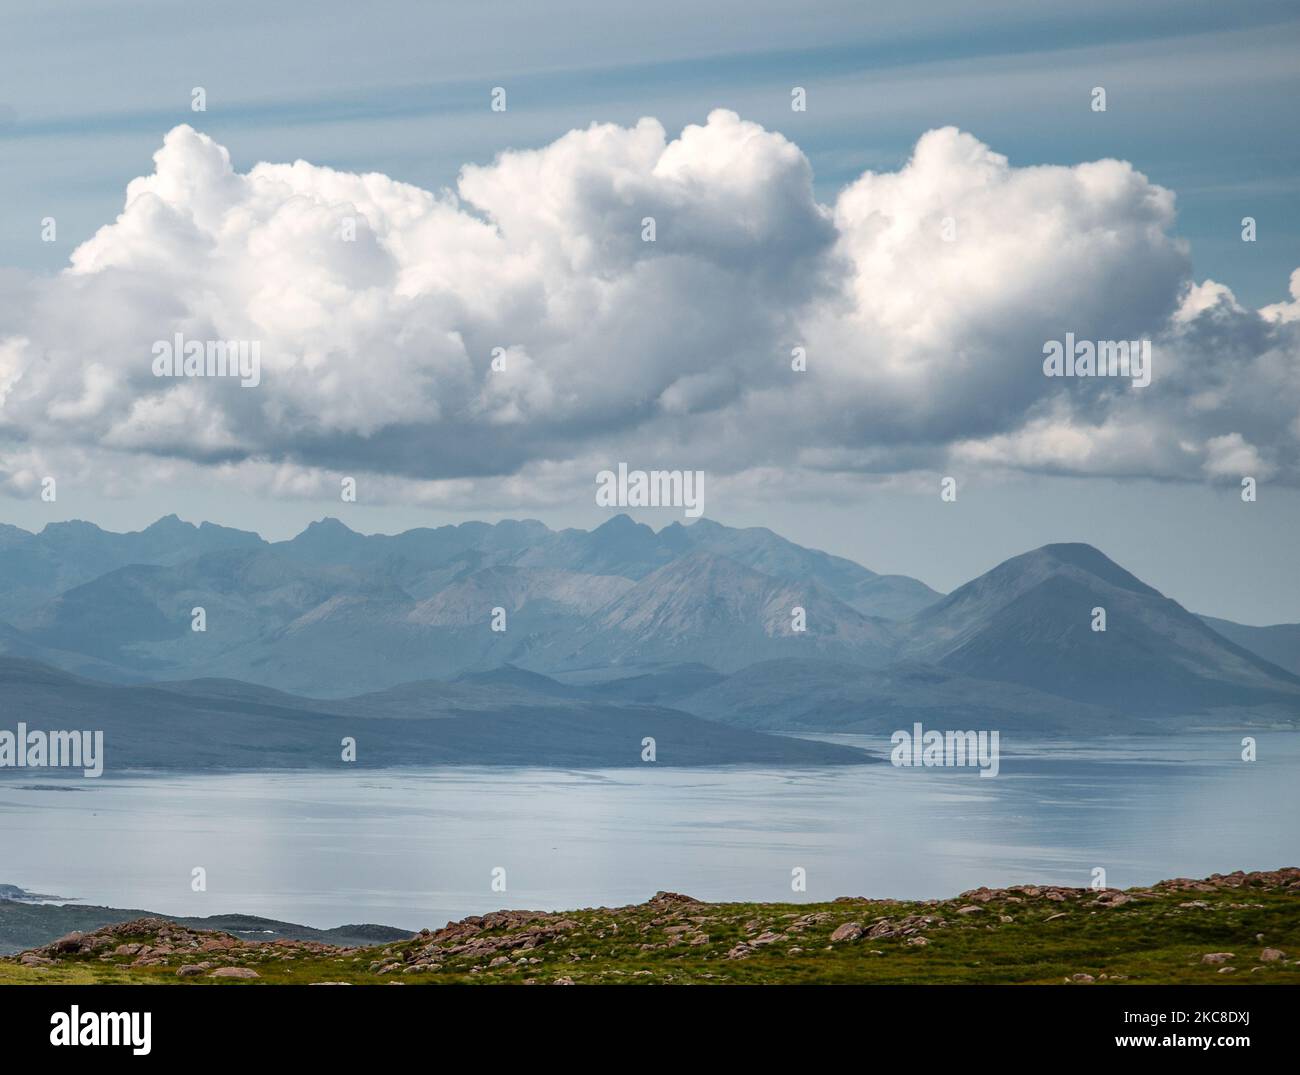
1279	643
823	696
674	618
1029	621
208	724
36	567
711	609
884	596
27	925
333	612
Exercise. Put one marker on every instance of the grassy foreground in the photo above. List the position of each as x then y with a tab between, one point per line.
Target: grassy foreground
1227	929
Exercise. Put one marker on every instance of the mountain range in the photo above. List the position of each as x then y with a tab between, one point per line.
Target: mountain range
692	629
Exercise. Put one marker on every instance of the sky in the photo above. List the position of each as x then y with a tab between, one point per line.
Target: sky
777	228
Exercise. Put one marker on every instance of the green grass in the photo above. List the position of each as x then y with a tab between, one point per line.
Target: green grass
1151	939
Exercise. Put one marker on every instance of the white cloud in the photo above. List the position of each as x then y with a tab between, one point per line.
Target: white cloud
377	353
1232	456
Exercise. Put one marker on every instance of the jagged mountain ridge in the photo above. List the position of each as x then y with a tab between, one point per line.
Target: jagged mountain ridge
675	615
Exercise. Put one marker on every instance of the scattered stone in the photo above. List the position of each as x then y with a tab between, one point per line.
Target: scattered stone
234	972
67	944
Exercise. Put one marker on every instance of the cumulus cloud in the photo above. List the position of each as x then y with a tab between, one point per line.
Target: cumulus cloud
520	325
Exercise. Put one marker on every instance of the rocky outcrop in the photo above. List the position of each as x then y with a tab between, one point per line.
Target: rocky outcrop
673	937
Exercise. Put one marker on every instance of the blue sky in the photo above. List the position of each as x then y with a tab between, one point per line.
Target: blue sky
1201	100
1201	96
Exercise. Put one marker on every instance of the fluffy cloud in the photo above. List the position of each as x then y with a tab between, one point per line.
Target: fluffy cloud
922	297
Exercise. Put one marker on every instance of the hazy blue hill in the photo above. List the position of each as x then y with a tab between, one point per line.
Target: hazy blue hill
653	616
508	676
1028	621
1278	643
827	696
36	567
662	687
27	925
213	724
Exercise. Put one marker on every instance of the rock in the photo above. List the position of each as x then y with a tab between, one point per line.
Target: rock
1005	918
970	910
916	942
68	943
1217	957
740	951
765	938
671	897
563	981
1271	955
234	972
1227	970
1053	918
187	970
500	961
1083	978
849	931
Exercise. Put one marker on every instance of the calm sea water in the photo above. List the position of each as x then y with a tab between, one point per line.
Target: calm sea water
416	848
